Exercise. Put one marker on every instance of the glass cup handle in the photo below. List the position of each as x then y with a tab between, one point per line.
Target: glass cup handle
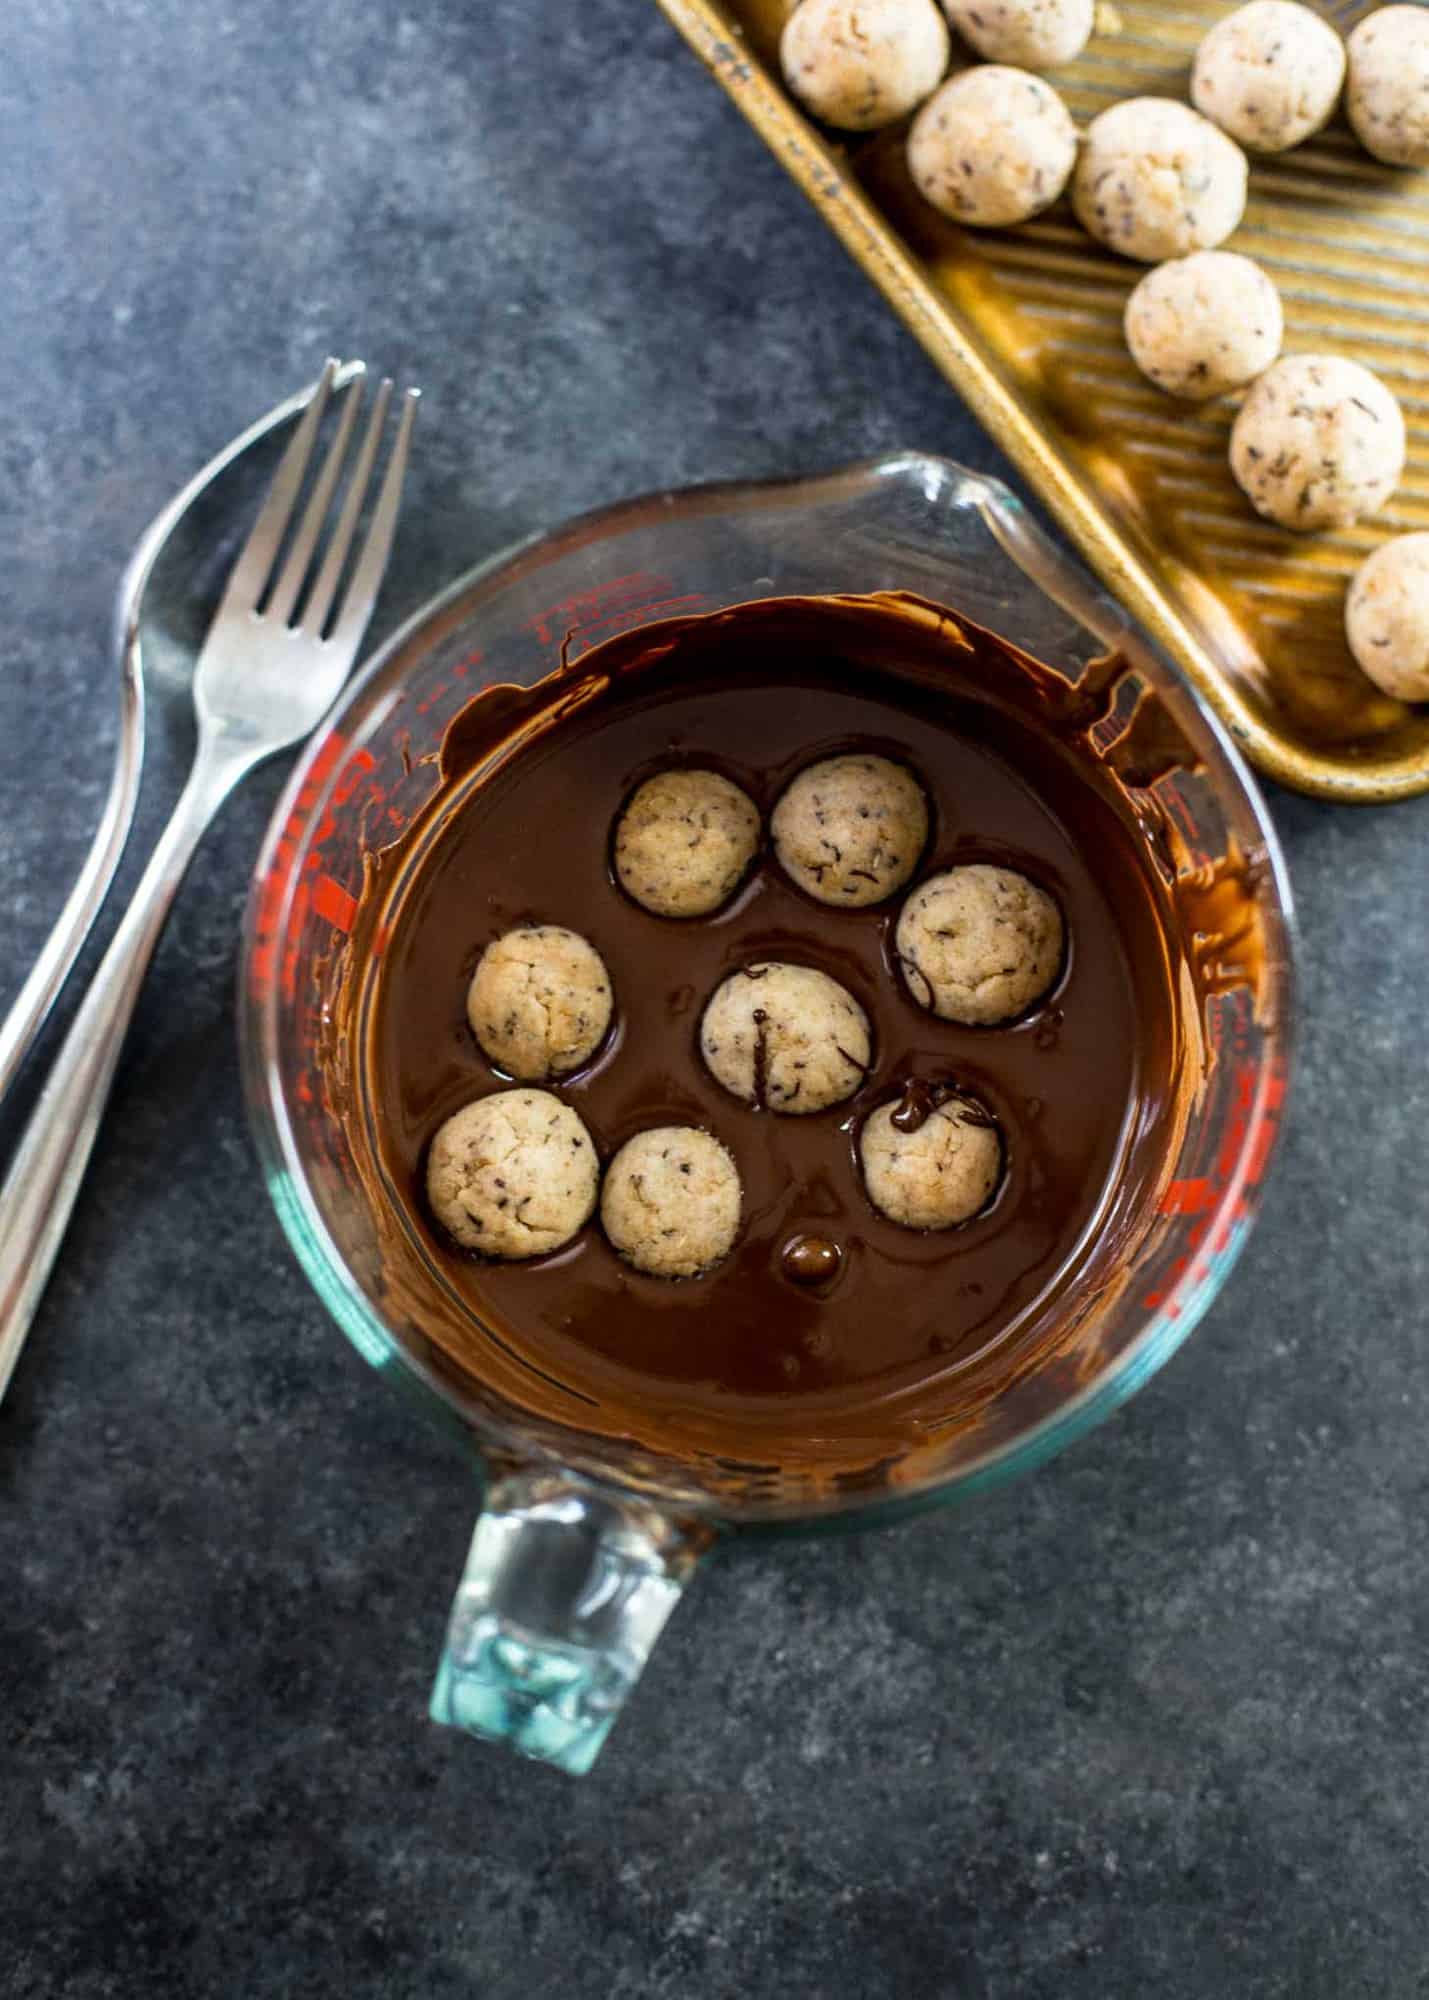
567	1587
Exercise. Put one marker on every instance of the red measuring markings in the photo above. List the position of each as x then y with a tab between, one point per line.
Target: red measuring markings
617	606
317	889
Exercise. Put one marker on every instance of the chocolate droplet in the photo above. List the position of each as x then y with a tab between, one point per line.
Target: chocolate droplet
810	1260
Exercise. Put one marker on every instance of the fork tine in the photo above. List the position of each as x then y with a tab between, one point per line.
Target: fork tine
367	577
285	594
319	603
254	565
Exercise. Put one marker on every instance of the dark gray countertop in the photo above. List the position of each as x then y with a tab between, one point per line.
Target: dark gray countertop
1154	1721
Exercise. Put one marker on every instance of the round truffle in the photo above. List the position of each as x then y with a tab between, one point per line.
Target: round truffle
1387	617
1388	98
979	944
671	1201
513	1175
849	830
937	1173
859	64
1318	442
1204	324
1269	74
684	842
1156	180
786	1038
992	147
539	1001
1034	34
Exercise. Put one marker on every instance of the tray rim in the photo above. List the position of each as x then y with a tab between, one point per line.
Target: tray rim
879	251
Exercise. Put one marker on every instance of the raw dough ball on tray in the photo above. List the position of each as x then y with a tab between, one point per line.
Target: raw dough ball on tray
513	1175
1318	442
992	147
1156	180
1034	34
1269	74
1388	100
979	944
859	64
937	1175
684	841
849	830
786	1038
671	1201
1387	617
1204	324
539	1002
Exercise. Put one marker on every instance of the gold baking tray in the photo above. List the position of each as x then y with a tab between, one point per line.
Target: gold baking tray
1026	324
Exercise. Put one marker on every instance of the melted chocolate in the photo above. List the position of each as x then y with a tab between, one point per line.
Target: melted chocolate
828	1327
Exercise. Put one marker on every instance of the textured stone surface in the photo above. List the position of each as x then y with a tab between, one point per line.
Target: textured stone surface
1154	1721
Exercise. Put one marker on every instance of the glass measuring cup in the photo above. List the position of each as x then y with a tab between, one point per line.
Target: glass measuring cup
585	1541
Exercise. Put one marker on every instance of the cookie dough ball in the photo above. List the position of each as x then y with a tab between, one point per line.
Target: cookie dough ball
1156	180
1387	617
684	842
513	1175
671	1201
939	1173
1204	324
979	944
786	1038
1269	74
849	830
1318	442
859	64
1034	34
992	147
539	1002
1388	100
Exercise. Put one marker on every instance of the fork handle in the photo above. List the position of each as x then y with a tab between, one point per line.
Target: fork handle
40	1190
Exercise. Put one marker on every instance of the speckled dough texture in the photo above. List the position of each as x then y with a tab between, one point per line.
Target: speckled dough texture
786	1037
1318	442
994	146
1201	325
859	64
979	944
513	1175
671	1201
684	841
1270	74
849	830
539	1002
934	1177
1031	34
1388	96
1387	616
1156	180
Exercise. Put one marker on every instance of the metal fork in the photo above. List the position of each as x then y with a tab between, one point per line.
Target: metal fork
261	683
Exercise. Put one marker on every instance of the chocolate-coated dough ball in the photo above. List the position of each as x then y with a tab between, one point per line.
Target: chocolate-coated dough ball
1388	99
539	1002
513	1175
786	1038
936	1175
1318	442
684	842
1033	34
992	147
1387	617
1269	74
859	64
671	1201
1204	324
979	944
1156	180
849	830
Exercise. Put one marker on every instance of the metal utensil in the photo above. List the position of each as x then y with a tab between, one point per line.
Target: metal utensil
31	1006
261	683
